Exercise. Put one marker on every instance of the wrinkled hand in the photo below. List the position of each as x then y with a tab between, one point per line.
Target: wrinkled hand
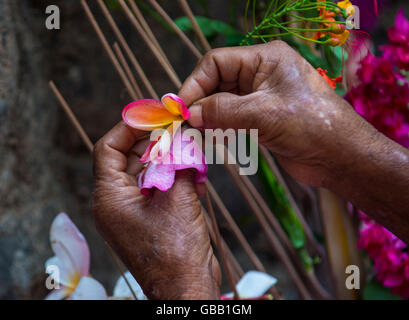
316	135
272	88
163	240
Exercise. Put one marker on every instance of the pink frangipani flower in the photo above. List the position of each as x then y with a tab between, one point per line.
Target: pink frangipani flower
184	153
169	151
71	261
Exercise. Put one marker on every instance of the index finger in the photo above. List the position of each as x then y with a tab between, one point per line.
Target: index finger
110	152
235	67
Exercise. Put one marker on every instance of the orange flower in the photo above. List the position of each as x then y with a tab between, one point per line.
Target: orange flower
347	5
332	82
338	39
337	32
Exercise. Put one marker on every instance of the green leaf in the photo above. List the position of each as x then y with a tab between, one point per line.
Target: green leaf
335	57
112	4
211	28
234	40
281	206
285	213
375	291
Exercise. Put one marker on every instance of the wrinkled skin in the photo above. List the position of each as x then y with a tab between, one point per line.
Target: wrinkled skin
272	88
163	240
317	137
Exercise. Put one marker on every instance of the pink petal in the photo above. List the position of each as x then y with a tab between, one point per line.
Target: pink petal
147	115
57	294
62	276
69	245
159	149
188	155
89	289
160	176
146	155
175	105
184	154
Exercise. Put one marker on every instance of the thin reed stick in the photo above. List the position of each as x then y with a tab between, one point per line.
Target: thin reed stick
108	49
239	235
128	71
237	271
90	146
138	14
71	116
316	286
118	265
128	50
226	266
235	228
180	33
310	236
168	68
271	237
186	8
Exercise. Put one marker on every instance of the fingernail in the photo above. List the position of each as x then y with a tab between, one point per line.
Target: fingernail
196	119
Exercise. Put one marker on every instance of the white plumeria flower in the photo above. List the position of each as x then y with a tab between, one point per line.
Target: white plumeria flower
253	284
72	260
121	290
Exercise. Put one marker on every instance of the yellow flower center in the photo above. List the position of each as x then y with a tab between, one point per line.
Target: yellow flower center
73	281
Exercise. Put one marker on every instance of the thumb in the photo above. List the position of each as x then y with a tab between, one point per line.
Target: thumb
224	110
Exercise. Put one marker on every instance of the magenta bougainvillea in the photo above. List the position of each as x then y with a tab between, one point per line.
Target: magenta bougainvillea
389	254
397	51
381	96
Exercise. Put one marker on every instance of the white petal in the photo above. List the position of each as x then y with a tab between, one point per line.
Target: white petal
57	271
69	245
253	284
121	289
57	294
89	289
